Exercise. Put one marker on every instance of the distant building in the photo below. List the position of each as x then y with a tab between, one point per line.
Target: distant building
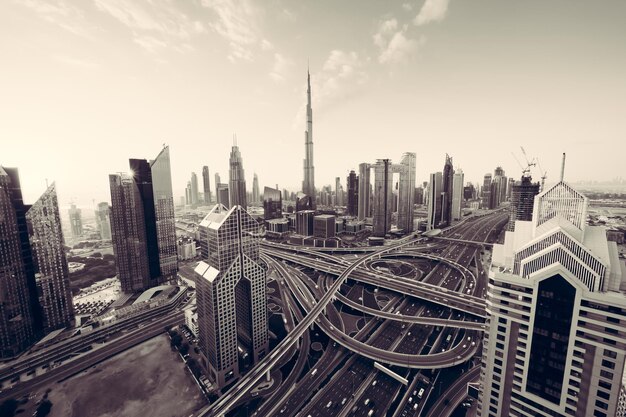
308	182
304	222
255	189
486	191
206	183
272	203
237	179
447	179
522	201
50	264
76	221
434	201
232	304
277	227
191	321
352	188
103	220
217	183
194	189
223	195
555	341
419	196
457	194
324	226
364	194
304	202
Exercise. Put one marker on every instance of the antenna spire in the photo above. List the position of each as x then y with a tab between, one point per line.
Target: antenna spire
563	167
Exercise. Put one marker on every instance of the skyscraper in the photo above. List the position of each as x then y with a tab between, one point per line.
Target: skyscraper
457	194
206	183
272	204
188	193
446	192
406	191
232	305
522	200
20	316
434	201
255	189
486	191
364	191
50	264
383	178
103	220
555	341
338	192
308	184
194	189
352	187
76	221
223	195
217	182
143	225
236	179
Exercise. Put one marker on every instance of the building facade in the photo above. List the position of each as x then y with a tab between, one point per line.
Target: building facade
522	200
555	341
272	203
206	185
194	189
352	188
76	221
103	220
457	194
364	196
434	201
324	226
50	264
232	304
237	179
304	222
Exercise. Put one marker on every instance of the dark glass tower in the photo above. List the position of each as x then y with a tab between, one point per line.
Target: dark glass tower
353	193
20	315
447	181
236	179
522	200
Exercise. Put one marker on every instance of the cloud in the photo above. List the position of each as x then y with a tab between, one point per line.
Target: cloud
236	23
60	13
407	6
154	26
281	68
76	62
431	11
393	43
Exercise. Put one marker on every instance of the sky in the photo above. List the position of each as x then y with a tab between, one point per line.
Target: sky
87	84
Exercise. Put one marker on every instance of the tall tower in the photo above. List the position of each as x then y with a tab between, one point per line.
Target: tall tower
522	200
194	189
447	181
237	180
555	342
206	183
308	184
383	184
255	189
232	304
457	194
19	313
103	220
406	193
364	193
51	271
217	182
352	188
76	221
434	201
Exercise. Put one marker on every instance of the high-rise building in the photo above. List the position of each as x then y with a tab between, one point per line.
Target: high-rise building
103	220
352	188
457	194
486	191
324	226
272	204
308	183
161	171
194	189
406	191
76	221
232	304
237	179
447	180
188	194
206	183
383	196
20	315
223	195
50	264
434	201
304	202
555	341
498	194
304	222
522	200
143	225
364	191
217	183
419	196
255	189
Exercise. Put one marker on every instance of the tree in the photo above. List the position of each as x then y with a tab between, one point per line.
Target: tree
44	408
184	349
8	407
176	340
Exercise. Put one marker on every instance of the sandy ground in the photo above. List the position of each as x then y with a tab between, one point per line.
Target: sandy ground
147	380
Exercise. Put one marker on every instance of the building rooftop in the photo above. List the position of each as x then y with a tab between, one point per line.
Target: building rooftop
206	271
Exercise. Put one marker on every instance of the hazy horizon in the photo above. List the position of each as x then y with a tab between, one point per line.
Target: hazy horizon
88	85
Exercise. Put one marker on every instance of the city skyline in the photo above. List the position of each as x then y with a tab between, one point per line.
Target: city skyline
403	55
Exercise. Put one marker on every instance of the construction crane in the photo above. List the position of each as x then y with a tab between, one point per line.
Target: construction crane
544	175
525	170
